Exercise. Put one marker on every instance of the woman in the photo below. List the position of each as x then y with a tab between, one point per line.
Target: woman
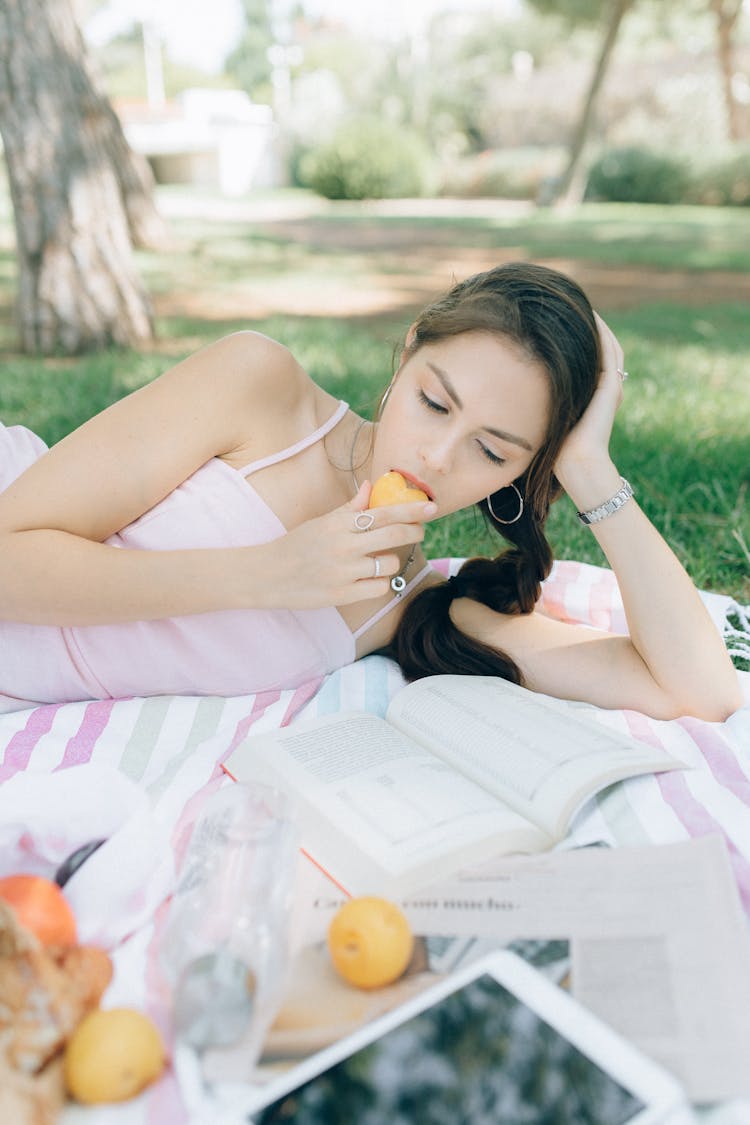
210	533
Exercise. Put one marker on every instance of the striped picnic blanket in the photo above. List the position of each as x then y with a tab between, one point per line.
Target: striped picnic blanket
169	751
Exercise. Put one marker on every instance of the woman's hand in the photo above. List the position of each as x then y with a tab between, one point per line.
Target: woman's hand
587	444
331	560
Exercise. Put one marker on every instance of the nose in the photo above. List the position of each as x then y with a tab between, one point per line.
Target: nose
437	456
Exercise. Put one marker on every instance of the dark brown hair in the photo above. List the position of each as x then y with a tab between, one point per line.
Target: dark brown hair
549	317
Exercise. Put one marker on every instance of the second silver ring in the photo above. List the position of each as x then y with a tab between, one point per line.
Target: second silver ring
376	560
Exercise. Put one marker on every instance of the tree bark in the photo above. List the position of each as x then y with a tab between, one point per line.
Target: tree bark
727	13
571	186
78	288
135	181
134	175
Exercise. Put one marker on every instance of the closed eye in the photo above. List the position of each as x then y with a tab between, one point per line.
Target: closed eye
493	457
431	404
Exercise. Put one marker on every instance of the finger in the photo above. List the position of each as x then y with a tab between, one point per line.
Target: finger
610	345
389	529
384	566
359	502
414	511
385	539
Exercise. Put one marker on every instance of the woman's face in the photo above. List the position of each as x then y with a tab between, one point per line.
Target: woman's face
464	418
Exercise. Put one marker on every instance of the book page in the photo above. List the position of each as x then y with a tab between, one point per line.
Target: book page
377	809
540	756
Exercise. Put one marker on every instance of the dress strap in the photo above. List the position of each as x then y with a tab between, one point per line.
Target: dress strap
298	446
392	603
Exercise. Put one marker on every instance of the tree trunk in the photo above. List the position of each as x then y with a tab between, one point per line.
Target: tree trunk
134	175
135	180
727	13
572	184
77	284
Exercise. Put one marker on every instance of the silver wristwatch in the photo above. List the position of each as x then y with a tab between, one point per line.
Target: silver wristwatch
609	507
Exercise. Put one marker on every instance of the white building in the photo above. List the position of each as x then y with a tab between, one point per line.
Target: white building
218	139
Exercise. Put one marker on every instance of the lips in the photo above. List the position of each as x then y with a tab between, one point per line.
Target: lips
416	482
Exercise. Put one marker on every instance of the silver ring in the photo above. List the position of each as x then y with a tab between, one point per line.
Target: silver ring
376	560
363	521
623	374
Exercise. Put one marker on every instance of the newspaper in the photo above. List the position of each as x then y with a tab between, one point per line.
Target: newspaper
658	944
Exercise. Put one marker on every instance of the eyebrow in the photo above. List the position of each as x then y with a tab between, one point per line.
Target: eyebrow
452	393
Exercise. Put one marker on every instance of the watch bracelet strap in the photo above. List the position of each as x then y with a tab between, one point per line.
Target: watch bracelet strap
609	507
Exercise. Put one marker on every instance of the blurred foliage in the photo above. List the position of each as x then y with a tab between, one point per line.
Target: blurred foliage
516	173
123	73
574	11
367	159
722	180
248	63
475	82
638	175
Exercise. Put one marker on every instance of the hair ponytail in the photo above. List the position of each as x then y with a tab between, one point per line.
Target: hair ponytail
427	642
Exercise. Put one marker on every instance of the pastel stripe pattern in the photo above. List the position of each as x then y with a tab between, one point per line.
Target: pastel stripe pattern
173	748
22	742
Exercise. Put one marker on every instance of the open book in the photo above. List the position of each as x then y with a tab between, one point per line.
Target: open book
462	768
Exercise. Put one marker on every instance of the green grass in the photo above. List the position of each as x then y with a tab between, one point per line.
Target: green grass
682	436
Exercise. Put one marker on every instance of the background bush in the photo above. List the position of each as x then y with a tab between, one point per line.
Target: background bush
723	181
368	159
638	175
511	173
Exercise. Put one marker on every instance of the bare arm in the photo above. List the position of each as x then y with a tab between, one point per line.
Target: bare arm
576	662
55	567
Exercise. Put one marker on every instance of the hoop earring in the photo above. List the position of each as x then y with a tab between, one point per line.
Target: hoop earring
517	517
384	399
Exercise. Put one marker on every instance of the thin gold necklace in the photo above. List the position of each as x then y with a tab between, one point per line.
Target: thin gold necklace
357	432
398	582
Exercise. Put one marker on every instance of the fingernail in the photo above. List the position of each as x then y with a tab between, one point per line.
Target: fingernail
430	509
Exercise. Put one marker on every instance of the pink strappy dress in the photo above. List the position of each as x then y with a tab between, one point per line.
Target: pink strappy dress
232	652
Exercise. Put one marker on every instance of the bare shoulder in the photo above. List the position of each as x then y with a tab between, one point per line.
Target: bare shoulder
247	390
249	364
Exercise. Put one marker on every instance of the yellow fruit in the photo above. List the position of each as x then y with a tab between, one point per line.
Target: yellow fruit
392	488
370	941
112	1055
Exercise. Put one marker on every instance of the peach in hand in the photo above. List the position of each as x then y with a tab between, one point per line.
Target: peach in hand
393	488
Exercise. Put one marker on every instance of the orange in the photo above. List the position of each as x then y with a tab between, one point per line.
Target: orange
392	488
40	906
370	941
112	1055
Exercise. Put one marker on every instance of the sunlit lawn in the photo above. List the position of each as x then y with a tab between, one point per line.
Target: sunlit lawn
683	435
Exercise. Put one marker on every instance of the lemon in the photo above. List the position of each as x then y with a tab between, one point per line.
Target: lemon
370	941
112	1055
